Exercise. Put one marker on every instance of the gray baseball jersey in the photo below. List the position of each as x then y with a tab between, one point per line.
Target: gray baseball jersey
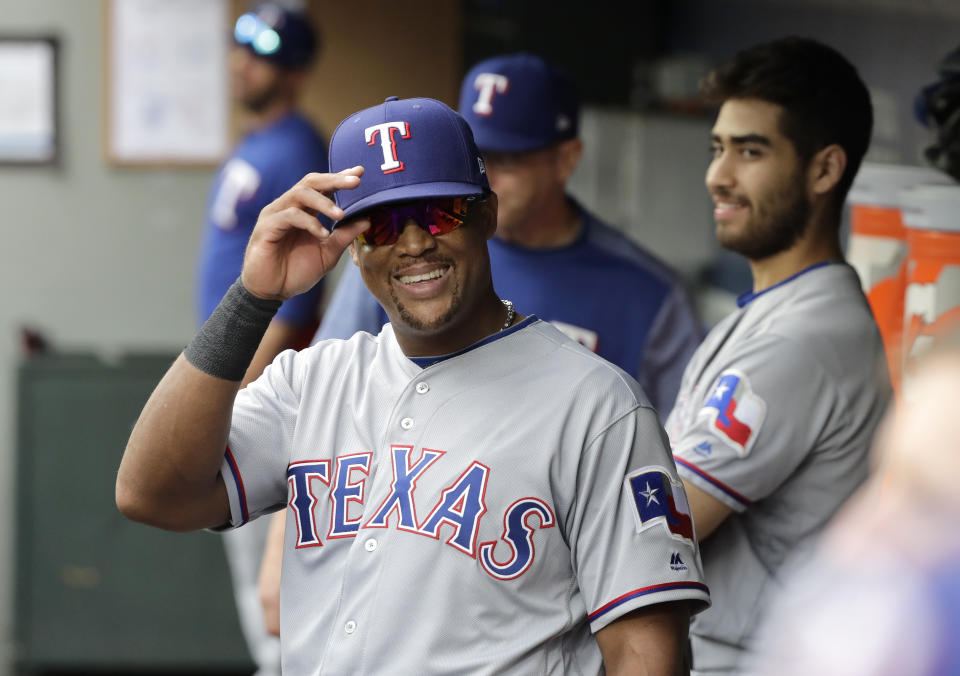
775	416
483	512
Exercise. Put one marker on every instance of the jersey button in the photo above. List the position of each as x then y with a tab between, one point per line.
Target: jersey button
370	545
422	388
407	423
350	627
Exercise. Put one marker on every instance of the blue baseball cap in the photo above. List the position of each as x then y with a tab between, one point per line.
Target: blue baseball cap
278	35
517	102
409	149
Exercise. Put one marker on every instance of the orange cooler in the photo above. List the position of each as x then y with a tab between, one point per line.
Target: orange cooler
932	301
878	248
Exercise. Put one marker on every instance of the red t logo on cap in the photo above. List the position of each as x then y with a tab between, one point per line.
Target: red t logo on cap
388	143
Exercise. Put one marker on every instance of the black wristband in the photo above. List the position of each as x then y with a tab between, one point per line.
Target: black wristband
227	341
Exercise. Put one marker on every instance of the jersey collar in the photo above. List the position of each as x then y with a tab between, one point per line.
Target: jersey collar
751	296
425	362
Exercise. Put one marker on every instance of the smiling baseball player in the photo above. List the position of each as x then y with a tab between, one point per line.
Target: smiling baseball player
550	254
468	492
778	406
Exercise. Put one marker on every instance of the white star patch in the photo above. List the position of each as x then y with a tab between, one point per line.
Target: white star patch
650	494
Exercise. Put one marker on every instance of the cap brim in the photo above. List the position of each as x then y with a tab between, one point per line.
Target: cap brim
500	141
411	192
506	142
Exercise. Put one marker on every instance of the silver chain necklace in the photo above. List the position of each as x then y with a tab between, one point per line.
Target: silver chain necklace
510	314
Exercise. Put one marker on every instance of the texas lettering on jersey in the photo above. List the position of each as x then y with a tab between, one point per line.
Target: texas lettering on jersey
460	506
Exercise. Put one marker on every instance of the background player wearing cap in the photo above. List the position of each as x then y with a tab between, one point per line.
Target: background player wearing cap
550	255
778	406
274	47
444	524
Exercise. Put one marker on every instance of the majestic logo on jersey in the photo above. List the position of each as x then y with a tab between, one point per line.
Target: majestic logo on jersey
735	410
703	449
386	133
488	84
660	500
676	563
459	507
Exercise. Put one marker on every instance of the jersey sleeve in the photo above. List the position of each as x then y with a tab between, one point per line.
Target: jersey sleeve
631	533
352	308
673	338
254	466
756	422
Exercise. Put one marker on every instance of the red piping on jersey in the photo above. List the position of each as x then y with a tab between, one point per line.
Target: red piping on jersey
716	482
244	514
667	586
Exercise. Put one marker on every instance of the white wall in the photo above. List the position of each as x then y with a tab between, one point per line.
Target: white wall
94	256
643	173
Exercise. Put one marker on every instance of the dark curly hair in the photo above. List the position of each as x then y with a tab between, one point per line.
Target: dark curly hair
824	100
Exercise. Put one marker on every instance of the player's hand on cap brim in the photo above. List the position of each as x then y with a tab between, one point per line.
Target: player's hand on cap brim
289	250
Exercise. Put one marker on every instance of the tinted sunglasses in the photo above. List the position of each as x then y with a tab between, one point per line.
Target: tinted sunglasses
438	216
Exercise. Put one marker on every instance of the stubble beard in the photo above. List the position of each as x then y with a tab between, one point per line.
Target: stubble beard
418	324
775	225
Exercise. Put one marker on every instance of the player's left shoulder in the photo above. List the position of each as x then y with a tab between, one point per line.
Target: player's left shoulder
589	371
827	317
823	292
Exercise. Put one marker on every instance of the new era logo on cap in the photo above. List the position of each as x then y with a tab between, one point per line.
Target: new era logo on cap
518	102
409	149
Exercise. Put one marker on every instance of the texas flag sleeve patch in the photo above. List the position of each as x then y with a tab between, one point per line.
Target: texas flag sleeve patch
660	501
735	411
